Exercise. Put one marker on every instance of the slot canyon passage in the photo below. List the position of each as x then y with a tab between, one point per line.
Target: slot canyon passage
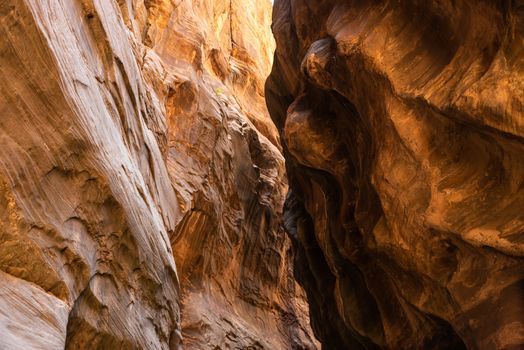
210	174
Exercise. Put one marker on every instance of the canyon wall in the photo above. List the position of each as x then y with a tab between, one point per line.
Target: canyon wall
402	124
141	179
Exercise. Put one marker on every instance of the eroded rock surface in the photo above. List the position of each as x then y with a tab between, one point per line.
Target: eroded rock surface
403	132
134	134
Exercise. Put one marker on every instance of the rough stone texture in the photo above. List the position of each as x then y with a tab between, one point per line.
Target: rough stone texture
134	134
403	132
224	160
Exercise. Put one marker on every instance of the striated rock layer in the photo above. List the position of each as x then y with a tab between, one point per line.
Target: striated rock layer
403	132
133	134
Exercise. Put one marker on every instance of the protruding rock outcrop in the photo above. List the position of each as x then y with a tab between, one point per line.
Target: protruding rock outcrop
403	130
134	134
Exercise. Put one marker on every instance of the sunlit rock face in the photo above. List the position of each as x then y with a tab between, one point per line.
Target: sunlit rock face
141	182
224	160
403	131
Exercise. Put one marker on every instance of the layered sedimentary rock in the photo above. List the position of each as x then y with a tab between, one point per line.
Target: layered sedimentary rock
133	134
403	132
224	160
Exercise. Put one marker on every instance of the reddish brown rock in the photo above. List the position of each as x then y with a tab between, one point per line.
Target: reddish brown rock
403	134
134	134
224	162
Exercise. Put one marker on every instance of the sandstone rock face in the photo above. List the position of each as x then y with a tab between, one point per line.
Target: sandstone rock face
403	132
133	134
